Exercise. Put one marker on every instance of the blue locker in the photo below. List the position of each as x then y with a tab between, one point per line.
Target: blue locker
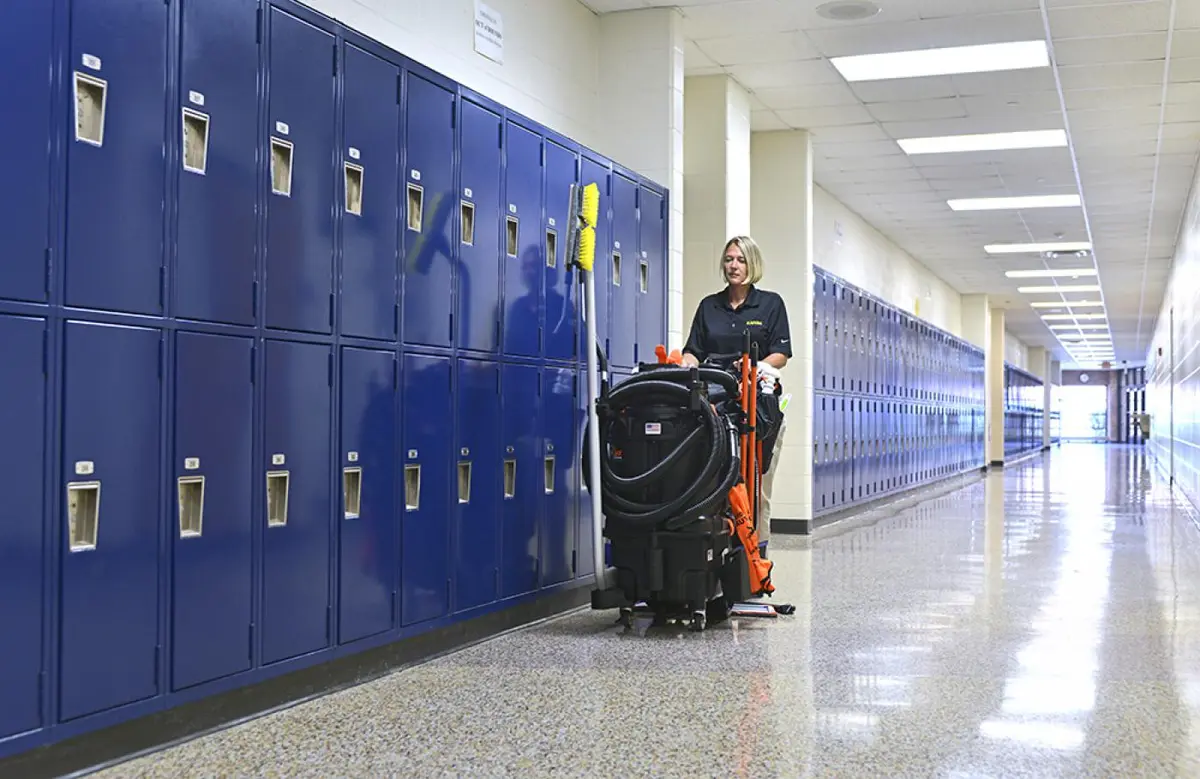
22	558
598	173
429	206
840	340
110	517
820	332
115	168
623	259
428	404
215	268
519	544
843	484
298	506
25	48
559	475
479	484
212	521
818	482
369	198
562	290
651	275
479	230
367	513
522	242
299	265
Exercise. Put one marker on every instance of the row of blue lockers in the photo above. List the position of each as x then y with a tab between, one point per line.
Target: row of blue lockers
227	503
255	164
1022	390
1024	410
866	346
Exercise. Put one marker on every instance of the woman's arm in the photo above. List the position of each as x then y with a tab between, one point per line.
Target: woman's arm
776	360
780	349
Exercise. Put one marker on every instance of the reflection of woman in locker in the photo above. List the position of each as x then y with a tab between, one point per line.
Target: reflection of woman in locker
719	326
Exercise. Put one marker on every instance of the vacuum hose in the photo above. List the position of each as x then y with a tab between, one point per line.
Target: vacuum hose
692	479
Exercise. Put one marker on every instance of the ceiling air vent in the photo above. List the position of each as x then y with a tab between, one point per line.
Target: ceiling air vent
847	10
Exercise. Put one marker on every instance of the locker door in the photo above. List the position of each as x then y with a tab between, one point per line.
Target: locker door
479	485
22	551
299	264
213	515
115	180
25	48
593	172
366	514
215	268
430	207
818	482
560	316
623	263
835	354
298	507
583	546
369	172
428	405
523	460
651	275
559	473
523	238
819	334
479	230
111	456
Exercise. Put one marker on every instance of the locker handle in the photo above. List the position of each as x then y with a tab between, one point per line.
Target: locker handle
195	141
191	506
416	206
412	487
277	498
551	248
512	235
510	478
467	218
281	167
91	104
548	467
616	269
464	482
644	276
352	492
83	515
354	189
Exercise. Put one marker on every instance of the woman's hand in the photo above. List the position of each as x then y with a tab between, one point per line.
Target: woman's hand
690	360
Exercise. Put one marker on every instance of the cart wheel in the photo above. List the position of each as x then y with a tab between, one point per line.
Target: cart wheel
699	621
625	618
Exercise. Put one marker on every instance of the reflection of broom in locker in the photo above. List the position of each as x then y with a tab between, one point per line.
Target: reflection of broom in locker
431	235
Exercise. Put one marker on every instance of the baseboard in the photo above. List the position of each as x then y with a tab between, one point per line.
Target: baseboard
792	527
996	465
117	743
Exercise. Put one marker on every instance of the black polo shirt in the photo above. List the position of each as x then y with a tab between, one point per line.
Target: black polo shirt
718	328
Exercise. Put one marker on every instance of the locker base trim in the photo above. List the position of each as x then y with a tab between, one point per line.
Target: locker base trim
106	747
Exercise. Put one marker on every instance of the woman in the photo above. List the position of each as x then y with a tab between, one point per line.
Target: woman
721	322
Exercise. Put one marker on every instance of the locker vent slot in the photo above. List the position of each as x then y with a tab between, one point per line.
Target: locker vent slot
464	482
551	249
510	229
277	498
195	141
644	276
191	506
548	466
510	479
83	514
412	487
281	167
354	189
91	96
416	206
468	223
616	269
352	491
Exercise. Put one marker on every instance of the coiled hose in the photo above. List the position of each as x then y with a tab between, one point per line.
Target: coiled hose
708	485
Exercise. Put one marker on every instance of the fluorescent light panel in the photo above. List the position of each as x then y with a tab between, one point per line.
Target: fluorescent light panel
1049	274
1067	288
1070	317
1018	202
1067	304
1079	327
950	144
1018	55
1037	248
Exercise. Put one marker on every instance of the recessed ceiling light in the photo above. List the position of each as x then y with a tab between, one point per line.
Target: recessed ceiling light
1038	248
1019	202
1066	303
1079	327
1070	317
988	57
948	144
847	10
1044	290
1073	273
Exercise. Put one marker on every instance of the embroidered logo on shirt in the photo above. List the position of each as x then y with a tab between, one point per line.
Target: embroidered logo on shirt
754	322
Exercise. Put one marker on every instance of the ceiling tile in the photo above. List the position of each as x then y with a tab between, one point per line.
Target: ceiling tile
758	48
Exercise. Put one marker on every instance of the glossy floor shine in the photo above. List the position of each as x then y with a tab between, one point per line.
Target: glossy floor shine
1043	622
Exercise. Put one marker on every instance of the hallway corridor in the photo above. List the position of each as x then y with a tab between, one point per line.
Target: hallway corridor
1040	622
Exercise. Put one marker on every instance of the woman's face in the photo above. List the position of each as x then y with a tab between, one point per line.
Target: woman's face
735	265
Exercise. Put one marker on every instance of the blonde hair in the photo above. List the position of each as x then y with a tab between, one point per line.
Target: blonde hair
752	254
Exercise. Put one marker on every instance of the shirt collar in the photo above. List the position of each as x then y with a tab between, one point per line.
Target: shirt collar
751	301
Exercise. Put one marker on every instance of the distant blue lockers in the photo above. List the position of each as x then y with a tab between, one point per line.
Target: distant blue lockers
213	507
258	297
25	40
111	482
368	168
367	512
478	484
299	261
215	265
297	506
428	403
22	549
479	229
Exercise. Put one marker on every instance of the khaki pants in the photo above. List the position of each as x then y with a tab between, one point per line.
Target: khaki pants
768	479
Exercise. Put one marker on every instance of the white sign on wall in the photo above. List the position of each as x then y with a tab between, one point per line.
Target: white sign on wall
489	32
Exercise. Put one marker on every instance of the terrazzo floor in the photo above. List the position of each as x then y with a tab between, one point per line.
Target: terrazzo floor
1042	622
